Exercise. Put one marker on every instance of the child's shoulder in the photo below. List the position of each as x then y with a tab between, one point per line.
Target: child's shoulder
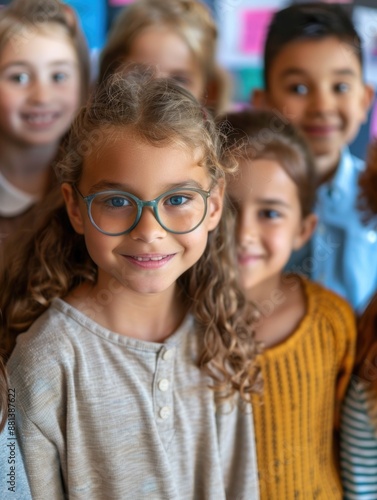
328	304
349	167
45	341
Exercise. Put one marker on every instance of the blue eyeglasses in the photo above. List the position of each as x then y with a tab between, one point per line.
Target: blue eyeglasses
178	211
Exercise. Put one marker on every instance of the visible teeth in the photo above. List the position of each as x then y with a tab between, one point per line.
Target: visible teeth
40	119
146	259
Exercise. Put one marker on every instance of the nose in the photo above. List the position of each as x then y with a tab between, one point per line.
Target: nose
148	229
322	101
40	91
247	231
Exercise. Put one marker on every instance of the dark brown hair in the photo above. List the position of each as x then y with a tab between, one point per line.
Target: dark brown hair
255	134
309	21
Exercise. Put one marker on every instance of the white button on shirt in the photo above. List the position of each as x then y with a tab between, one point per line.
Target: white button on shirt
167	355
163	384
165	412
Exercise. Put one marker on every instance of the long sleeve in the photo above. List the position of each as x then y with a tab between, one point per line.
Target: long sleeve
13	479
44	474
358	444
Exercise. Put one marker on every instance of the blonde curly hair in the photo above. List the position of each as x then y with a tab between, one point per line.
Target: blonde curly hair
50	259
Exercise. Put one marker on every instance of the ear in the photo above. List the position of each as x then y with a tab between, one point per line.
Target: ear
73	207
367	100
258	99
215	204
308	226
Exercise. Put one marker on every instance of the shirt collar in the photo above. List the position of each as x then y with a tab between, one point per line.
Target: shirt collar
343	180
13	201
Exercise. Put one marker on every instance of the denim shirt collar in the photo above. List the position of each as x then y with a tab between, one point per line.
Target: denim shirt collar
344	181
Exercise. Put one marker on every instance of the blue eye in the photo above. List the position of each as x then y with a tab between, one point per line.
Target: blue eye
300	89
117	202
341	88
270	214
21	78
59	77
177	200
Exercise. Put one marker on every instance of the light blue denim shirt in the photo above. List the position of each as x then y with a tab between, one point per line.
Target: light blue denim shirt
342	254
13	482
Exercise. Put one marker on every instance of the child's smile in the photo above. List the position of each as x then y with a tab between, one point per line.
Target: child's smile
39	87
318	86
268	221
148	258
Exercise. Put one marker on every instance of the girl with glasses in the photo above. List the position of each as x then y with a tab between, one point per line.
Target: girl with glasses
138	362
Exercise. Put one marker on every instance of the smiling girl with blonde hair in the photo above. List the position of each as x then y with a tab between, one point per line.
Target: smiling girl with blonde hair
139	359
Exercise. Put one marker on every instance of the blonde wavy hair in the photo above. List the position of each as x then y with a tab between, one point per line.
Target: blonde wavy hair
21	18
50	259
191	20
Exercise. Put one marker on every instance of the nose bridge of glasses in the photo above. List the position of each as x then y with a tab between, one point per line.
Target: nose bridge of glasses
152	204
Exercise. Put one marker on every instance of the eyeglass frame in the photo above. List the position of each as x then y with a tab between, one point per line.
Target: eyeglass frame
140	206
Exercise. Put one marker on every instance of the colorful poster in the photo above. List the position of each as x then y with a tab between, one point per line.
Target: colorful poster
254	24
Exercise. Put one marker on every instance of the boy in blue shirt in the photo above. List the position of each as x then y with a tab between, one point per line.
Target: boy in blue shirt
313	77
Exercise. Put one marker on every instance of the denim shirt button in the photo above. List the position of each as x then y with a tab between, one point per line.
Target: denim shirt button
371	236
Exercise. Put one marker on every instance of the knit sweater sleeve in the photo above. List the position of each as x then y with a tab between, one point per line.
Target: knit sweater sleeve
345	323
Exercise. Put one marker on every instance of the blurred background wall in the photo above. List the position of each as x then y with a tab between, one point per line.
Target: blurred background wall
242	27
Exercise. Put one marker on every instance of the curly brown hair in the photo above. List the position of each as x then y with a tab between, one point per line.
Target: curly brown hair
50	259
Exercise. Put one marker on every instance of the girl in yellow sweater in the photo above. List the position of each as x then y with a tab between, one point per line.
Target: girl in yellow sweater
308	332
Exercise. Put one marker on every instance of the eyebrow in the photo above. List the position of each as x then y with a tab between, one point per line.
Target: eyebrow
26	64
300	72
105	185
274	202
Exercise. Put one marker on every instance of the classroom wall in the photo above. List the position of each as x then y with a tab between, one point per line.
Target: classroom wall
242	27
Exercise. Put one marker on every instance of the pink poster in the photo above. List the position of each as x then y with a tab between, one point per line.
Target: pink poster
254	24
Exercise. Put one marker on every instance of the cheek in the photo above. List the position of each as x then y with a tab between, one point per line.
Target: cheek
278	240
293	110
195	242
8	101
99	246
289	106
71	94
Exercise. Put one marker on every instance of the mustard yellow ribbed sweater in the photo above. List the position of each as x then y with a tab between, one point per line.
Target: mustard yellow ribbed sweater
305	378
